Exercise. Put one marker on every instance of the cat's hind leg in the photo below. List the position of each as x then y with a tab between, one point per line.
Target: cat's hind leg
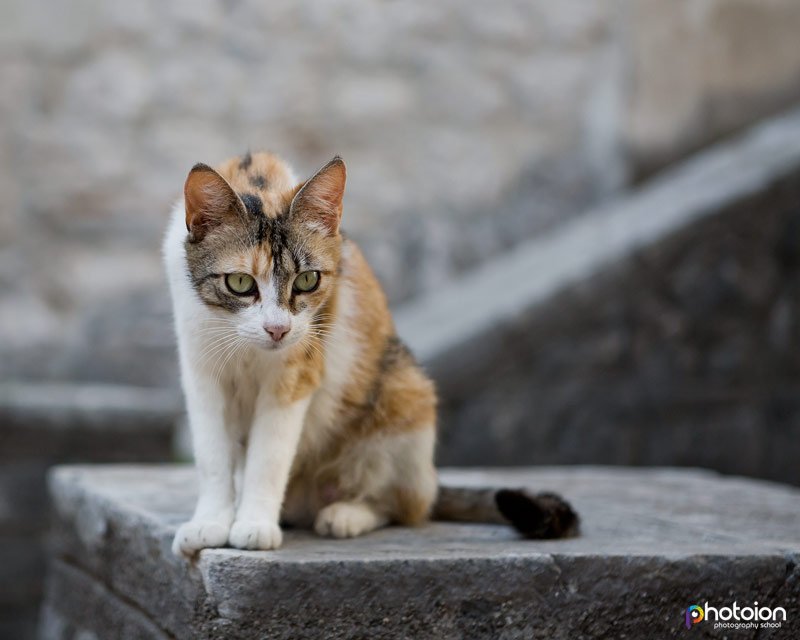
348	519
382	479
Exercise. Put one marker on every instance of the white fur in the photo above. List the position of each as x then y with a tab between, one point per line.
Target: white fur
238	429
270	451
348	520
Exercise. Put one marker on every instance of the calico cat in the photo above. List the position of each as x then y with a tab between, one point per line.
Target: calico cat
305	407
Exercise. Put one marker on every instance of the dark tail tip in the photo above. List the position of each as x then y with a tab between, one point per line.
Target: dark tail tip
537	515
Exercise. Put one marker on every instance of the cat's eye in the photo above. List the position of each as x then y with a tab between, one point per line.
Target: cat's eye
306	281
241	284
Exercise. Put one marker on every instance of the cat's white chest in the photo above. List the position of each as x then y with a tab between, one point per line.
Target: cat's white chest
342	354
252	378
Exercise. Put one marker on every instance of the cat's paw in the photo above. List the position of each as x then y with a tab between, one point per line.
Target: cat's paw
195	535
347	520
255	534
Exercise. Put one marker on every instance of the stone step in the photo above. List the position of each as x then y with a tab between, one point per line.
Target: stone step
638	332
653	542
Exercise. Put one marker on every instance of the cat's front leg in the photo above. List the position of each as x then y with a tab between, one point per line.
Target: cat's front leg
213	452
271	449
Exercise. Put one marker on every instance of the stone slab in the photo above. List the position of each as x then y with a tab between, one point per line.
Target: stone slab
653	541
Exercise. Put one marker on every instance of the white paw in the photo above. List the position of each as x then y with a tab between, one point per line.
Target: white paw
346	520
255	534
199	534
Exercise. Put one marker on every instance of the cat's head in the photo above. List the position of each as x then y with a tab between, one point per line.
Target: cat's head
262	252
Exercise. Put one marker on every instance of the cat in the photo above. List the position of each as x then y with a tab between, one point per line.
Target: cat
305	407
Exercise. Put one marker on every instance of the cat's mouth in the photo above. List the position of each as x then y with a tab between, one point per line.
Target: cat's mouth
273	346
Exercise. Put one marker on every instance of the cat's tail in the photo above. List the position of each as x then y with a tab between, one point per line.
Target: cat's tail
534	515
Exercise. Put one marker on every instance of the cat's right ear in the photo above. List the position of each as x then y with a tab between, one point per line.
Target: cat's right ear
319	200
209	201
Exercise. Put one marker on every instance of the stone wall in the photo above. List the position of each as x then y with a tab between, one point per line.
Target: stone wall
686	355
466	129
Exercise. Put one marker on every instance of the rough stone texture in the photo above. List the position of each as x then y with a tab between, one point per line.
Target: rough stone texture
444	111
661	329
42	425
652	543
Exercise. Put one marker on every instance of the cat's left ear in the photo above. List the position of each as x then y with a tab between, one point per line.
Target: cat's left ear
319	201
209	199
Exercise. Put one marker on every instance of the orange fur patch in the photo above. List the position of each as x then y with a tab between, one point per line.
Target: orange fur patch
411	508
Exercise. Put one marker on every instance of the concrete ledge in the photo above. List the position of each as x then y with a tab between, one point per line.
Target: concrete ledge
653	542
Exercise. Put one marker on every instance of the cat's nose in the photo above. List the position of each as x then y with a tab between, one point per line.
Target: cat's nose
277	331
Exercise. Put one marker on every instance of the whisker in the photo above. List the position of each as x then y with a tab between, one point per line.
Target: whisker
214	330
222	361
217	347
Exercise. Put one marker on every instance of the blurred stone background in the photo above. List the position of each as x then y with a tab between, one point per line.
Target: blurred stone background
466	127
469	129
